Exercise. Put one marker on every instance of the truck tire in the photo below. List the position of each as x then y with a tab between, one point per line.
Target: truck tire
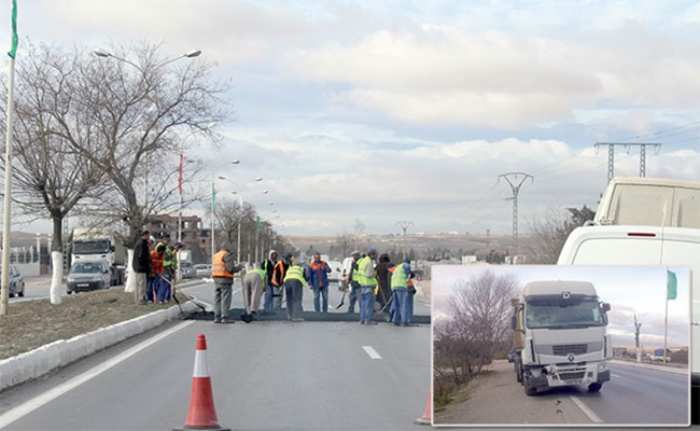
530	390
595	387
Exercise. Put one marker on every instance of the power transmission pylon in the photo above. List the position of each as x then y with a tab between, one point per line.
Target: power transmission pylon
404	225
515	180
642	154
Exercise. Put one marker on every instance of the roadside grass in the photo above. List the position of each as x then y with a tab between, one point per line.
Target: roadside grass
32	324
447	392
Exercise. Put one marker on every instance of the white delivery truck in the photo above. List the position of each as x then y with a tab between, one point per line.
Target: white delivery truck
650	202
94	245
559	336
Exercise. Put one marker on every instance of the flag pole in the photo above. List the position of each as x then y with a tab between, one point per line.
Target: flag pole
6	228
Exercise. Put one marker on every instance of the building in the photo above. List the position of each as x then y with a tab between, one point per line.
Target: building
194	235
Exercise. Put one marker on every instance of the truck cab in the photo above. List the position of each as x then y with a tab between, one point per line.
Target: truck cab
559	334
91	245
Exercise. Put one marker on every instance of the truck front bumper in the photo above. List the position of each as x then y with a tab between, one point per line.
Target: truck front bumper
576	374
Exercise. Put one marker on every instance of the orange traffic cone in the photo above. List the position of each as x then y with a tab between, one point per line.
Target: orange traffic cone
201	414
427	417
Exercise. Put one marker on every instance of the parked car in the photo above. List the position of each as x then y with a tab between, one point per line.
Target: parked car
16	282
85	276
187	270
202	270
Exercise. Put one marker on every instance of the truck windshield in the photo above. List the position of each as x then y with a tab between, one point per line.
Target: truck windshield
558	314
86	268
91	247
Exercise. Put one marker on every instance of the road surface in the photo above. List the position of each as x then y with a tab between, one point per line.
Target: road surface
266	375
635	395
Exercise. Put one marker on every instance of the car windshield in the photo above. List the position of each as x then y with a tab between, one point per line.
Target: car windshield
563	313
86	268
91	247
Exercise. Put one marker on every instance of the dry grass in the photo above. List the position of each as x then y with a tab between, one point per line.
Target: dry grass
32	324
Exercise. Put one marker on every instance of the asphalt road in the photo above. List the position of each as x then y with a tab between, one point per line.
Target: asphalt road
634	395
266	375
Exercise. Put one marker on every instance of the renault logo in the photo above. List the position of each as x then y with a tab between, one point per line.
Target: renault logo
571	357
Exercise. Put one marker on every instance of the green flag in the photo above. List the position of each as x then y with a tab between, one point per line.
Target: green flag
15	39
671	285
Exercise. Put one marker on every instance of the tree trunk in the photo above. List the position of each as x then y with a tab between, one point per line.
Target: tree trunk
130	285
57	290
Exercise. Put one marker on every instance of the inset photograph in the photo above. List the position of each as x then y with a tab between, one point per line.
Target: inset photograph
560	345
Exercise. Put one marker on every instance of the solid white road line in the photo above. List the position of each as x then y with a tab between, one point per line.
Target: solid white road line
371	352
29	406
586	410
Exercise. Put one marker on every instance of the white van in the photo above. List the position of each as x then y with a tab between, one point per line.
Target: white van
650	202
643	245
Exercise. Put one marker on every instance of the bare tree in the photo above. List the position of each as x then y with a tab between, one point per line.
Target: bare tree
550	232
50	178
476	331
139	111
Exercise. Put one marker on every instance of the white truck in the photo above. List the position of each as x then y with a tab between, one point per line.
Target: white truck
559	336
647	221
93	245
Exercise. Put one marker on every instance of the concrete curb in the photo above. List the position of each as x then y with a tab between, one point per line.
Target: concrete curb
35	363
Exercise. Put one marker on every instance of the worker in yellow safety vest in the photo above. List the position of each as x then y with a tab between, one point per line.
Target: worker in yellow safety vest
295	280
367	277
400	297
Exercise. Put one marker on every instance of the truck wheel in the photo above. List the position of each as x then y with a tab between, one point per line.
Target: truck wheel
595	387
530	390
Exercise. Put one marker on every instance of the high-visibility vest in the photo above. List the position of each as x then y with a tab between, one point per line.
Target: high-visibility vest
363	267
278	271
399	279
218	267
261	273
295	272
156	262
355	276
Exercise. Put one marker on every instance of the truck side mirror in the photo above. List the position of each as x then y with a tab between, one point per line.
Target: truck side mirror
111	247
606	307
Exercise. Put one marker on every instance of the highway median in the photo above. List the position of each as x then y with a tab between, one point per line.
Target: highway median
37	337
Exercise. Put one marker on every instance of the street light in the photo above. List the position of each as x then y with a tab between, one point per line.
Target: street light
105	54
240	207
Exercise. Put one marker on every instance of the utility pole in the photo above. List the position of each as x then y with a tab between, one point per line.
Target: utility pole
627	145
515	180
404	225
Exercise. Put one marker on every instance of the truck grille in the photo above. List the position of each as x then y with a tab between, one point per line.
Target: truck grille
565	349
572	376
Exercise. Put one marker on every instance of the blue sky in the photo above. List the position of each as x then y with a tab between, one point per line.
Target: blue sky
629	290
387	110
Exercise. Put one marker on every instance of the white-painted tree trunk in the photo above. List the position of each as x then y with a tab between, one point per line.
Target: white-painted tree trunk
57	290
130	285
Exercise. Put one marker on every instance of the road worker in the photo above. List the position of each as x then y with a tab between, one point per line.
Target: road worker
367	277
400	295
222	271
273	294
253	286
354	281
294	283
141	267
318	279
279	271
154	286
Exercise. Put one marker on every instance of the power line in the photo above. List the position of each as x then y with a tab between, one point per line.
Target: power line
642	154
